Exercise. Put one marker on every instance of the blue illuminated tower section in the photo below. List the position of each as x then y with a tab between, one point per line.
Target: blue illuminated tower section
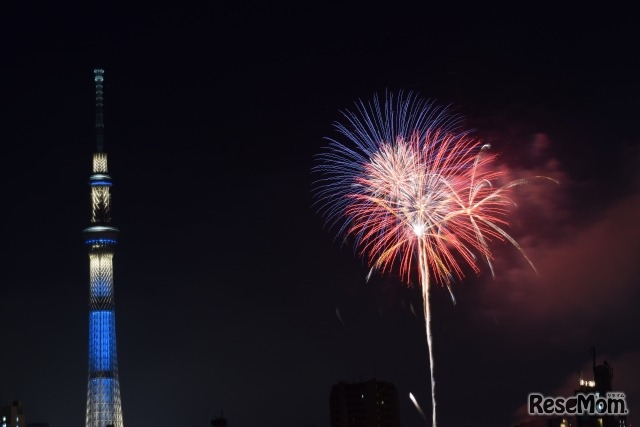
104	407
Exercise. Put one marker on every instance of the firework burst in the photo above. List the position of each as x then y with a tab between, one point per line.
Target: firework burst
416	194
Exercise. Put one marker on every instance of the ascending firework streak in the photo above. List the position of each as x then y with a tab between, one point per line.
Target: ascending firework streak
418	408
410	188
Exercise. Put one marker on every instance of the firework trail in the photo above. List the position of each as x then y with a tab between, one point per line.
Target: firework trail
415	403
412	190
339	315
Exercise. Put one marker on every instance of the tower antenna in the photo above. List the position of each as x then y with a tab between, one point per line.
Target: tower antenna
98	77
104	405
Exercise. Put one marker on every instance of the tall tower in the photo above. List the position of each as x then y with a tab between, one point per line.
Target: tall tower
104	407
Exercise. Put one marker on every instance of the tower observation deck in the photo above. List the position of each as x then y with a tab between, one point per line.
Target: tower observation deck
104	407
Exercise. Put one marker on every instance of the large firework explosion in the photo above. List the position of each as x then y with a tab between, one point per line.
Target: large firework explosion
416	194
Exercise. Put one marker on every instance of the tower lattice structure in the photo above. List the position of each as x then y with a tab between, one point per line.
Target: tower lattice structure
104	407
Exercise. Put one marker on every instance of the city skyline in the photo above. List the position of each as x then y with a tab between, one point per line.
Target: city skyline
231	294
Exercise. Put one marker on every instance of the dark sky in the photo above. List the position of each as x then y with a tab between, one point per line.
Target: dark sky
227	282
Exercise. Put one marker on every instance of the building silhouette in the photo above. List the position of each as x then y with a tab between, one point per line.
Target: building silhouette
12	415
366	404
104	407
220	421
601	384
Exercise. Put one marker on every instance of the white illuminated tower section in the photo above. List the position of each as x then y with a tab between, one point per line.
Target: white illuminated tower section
104	407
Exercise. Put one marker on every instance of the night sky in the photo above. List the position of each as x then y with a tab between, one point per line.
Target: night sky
228	284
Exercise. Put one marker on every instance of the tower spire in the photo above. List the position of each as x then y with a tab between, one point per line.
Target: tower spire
98	77
104	407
